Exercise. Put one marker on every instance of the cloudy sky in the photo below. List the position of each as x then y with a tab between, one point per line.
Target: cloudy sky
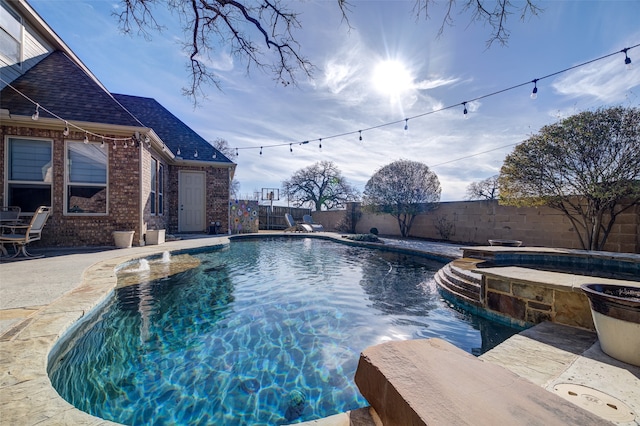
351	90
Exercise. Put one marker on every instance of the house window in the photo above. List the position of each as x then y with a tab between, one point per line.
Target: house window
157	188
29	173
86	178
10	34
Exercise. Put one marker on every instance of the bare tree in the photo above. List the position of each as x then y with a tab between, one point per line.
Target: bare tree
320	184
587	166
262	33
486	189
402	189
491	13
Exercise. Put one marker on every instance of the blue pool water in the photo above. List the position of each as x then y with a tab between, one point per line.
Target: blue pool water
264	332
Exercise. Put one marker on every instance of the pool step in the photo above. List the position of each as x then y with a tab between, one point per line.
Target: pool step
431	382
460	282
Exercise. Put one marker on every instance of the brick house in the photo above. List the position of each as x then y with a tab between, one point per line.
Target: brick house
104	162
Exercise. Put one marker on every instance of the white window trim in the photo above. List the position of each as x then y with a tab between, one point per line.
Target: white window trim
67	183
155	188
6	59
6	168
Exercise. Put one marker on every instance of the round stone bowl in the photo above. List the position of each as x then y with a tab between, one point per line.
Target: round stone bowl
616	315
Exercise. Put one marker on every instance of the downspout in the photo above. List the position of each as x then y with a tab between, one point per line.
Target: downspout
140	195
228	202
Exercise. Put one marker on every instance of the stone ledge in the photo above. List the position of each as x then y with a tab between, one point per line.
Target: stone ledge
554	280
420	382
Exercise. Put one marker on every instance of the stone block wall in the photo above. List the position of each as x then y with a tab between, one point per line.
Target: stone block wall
475	222
531	304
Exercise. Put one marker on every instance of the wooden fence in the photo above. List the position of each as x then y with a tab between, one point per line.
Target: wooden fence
272	218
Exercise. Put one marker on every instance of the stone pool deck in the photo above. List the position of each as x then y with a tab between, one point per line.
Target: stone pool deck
41	298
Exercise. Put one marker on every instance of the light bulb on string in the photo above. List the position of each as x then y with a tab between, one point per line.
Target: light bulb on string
102	143
465	112
36	114
115	145
65	132
237	152
195	154
214	156
627	59
86	139
178	152
320	144
291	148
260	150
534	92
126	145
360	138
406	124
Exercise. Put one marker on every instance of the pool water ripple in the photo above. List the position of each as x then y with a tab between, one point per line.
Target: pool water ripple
266	332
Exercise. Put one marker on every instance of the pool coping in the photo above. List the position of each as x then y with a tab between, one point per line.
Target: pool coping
26	393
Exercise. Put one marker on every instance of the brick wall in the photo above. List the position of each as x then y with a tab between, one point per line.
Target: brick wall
478	221
217	195
123	199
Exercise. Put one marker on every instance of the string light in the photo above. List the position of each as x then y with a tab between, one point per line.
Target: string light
195	154
178	152
66	129
260	150
465	112
115	145
627	62
86	139
451	106
627	59
214	156
126	145
102	143
406	124
534	93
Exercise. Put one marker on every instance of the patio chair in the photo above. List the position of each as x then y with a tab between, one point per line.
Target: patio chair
316	227
295	227
21	235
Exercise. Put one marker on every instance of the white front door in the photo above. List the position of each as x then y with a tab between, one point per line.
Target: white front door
191	207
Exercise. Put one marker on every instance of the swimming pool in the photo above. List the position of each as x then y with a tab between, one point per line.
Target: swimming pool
264	332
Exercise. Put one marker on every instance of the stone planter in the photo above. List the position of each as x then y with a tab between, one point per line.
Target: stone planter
155	236
616	315
123	239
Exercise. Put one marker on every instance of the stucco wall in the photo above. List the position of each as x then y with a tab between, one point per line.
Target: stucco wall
478	221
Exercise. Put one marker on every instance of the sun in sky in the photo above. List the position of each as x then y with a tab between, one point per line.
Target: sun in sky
391	77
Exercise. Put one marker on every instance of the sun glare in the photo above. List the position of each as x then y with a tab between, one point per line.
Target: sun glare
391	78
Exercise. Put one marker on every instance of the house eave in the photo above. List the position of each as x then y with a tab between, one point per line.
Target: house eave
203	163
9	119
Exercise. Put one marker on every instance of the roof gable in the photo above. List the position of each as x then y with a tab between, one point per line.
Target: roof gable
173	132
61	86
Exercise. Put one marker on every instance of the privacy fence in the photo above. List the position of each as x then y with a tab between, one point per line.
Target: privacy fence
475	222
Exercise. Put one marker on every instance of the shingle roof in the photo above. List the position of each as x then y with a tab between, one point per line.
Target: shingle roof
173	132
60	86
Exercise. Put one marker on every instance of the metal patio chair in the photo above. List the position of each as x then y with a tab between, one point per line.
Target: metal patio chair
21	235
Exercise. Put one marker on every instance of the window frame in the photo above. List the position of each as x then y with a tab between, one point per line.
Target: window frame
68	183
14	13
156	193
8	167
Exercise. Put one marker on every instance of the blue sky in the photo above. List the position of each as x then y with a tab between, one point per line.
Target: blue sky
344	96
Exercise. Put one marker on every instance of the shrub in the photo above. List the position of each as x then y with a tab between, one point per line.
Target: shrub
373	231
368	238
